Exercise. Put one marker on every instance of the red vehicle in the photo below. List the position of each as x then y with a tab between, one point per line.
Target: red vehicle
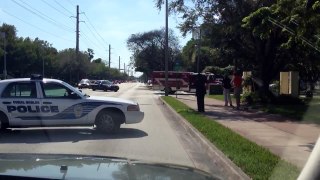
180	81
176	80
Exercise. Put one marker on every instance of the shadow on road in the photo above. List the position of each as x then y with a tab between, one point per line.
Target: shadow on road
144	87
45	135
310	146
175	94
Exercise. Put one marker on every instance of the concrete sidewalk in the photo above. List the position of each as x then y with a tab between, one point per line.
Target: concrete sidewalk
290	140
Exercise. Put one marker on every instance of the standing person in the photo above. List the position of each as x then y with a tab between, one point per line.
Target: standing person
226	84
200	91
237	82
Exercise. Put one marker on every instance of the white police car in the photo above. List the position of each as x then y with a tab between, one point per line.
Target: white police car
28	102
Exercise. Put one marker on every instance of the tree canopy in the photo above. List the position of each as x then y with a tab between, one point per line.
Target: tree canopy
26	56
265	36
148	50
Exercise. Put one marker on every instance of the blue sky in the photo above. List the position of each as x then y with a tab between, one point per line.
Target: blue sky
105	22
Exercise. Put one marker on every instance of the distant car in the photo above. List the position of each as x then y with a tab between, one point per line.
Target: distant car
84	83
92	82
104	85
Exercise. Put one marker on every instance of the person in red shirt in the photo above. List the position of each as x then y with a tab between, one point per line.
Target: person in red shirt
237	85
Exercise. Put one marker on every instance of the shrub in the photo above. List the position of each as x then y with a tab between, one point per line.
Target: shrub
250	97
288	99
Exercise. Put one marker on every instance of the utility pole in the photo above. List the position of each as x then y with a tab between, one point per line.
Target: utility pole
124	68
119	63
166	53
77	43
77	31
109	55
198	49
42	66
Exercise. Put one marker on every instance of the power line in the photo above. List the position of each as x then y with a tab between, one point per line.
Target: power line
70	3
92	42
68	40
86	41
103	40
43	16
63	7
55	8
92	32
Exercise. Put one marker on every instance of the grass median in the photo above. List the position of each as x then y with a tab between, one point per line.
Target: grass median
307	112
256	161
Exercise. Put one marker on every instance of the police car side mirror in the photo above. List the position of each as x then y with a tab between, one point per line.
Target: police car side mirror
74	95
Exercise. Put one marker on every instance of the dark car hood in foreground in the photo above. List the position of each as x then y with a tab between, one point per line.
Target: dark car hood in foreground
91	167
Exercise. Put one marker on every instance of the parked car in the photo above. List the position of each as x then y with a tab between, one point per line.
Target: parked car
104	85
92	82
84	83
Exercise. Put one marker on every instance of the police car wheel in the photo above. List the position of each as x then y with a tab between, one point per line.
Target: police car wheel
106	121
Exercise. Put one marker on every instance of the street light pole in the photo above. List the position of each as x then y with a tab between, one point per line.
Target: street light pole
199	44
196	35
42	67
166	52
3	34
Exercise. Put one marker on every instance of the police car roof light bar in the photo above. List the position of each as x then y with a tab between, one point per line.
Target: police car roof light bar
36	77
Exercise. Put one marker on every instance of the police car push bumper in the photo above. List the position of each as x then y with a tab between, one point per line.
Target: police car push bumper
134	117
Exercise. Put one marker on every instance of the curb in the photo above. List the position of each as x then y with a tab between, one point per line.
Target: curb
228	166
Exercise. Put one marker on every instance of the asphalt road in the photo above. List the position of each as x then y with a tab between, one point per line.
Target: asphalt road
156	139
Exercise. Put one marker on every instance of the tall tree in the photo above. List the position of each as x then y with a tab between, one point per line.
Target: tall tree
286	36
148	50
27	56
90	53
242	33
220	22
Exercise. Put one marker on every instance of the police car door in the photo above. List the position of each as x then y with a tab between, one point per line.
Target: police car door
62	107
20	99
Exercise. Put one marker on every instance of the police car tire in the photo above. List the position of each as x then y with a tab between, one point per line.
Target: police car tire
107	121
4	121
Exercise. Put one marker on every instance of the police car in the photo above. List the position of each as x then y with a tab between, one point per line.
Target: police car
37	101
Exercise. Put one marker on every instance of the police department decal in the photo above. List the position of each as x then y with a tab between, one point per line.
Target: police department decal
78	110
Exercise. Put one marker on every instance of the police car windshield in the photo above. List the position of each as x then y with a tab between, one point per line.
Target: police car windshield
75	90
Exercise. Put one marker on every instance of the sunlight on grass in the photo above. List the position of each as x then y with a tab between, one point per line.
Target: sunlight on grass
254	160
308	112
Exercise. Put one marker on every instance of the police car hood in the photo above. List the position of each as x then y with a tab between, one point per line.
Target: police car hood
110	99
68	166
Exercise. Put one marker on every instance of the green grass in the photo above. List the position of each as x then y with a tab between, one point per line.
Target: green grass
218	97
307	112
221	97
256	161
